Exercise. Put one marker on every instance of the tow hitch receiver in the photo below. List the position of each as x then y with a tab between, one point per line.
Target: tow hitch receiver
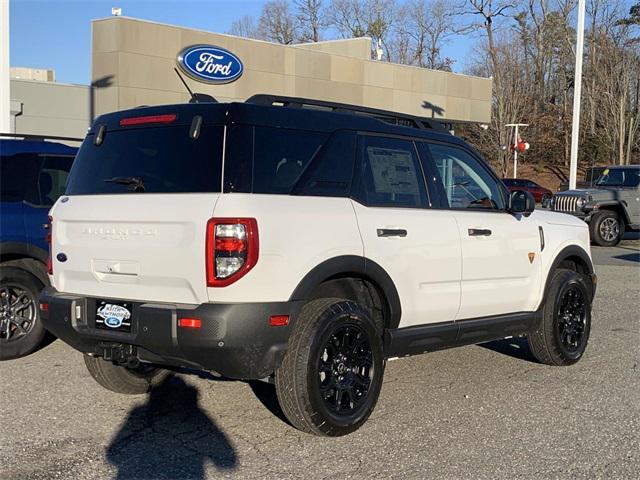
118	352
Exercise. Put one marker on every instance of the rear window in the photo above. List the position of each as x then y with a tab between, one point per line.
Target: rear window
150	160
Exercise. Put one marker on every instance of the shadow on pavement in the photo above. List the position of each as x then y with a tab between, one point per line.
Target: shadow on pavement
629	257
169	436
513	347
266	394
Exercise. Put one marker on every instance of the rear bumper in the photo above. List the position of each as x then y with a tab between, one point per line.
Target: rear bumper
235	340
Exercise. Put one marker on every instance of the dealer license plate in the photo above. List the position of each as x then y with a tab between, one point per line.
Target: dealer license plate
114	315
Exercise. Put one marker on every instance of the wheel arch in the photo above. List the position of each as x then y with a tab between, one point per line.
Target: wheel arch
573	258
27	257
616	207
356	278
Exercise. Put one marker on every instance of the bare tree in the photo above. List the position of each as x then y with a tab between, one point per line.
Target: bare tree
373	18
430	25
277	23
244	27
311	19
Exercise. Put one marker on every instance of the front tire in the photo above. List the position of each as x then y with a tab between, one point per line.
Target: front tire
21	331
606	228
331	376
121	379
563	334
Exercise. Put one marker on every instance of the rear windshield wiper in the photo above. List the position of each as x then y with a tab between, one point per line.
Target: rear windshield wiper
136	183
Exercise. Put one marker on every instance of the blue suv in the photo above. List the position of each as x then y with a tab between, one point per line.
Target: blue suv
33	174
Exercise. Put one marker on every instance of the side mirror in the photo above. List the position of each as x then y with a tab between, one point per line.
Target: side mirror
521	202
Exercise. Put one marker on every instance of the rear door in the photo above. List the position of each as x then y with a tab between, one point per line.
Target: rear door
417	246
132	225
500	251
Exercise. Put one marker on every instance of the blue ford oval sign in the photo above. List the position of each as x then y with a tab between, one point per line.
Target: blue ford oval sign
209	64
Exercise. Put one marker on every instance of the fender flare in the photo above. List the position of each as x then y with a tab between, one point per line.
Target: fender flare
25	250
346	265
564	254
619	206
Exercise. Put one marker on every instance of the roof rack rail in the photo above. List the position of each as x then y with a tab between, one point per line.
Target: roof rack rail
30	136
394	118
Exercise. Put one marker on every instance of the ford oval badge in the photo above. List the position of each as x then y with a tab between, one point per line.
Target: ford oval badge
210	64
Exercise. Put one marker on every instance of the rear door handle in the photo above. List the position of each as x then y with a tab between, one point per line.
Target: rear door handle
391	232
479	232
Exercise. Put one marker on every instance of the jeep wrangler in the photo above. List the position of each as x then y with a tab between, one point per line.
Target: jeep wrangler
611	207
302	243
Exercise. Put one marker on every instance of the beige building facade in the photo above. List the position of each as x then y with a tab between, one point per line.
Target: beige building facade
49	108
133	64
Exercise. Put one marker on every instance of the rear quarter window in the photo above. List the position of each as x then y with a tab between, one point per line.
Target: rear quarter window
268	160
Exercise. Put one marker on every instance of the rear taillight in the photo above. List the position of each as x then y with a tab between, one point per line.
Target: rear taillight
49	239
231	249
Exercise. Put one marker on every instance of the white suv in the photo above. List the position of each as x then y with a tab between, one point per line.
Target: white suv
302	246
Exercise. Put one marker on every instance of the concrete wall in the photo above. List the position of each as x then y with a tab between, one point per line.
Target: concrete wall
133	63
50	108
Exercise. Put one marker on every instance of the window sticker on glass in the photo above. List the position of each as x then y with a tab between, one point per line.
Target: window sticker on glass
393	171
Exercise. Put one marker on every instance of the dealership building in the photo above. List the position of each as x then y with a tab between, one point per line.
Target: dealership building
133	64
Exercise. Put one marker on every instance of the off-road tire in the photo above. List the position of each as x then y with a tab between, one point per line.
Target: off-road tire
31	285
121	379
545	341
595	228
297	378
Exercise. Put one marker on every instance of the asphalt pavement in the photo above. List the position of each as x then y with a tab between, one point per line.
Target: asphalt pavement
484	411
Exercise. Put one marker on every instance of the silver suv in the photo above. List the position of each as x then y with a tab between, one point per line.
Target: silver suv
610	208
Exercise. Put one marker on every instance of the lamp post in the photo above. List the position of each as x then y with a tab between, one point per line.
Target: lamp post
577	90
515	143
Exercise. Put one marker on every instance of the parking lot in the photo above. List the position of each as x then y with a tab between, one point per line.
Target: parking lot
486	411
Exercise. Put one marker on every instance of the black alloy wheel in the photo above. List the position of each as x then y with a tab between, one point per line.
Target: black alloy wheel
562	335
331	375
572	318
345	369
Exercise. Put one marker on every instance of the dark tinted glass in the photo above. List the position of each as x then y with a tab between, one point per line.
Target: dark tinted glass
619	177
35	178
280	156
389	174
165	159
19	177
52	180
238	165
331	171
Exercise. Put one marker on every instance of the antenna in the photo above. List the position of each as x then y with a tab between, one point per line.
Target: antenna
194	99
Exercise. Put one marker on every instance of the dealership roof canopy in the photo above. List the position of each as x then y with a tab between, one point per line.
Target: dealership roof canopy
134	60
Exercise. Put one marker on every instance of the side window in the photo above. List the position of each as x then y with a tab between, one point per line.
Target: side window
52	180
331	171
280	156
19	178
466	182
389	173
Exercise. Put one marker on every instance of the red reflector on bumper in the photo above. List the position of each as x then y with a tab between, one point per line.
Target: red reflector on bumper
44	306
279	320
189	322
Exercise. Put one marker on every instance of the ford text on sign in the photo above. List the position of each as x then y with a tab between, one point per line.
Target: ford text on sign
210	64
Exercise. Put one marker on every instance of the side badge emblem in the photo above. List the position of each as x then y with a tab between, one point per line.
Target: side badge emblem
532	255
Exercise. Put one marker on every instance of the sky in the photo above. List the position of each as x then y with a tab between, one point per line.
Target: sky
57	33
